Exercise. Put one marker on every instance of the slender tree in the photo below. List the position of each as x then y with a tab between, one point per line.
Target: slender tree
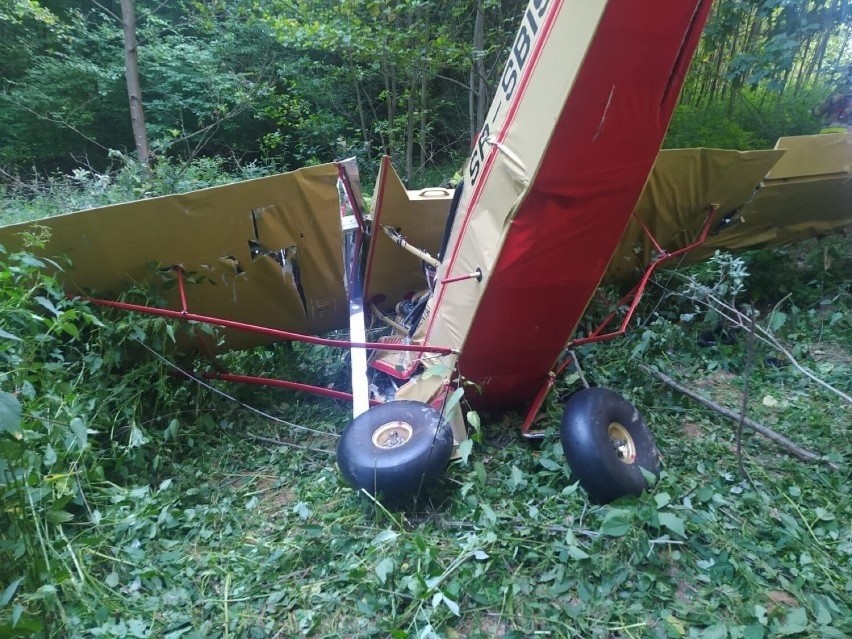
134	90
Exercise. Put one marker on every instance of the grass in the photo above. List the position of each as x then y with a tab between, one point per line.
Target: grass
135	505
252	540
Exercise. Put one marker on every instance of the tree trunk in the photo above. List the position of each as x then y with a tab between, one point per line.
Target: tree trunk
409	132
390	101
424	79
816	62
134	91
479	58
477	76
359	100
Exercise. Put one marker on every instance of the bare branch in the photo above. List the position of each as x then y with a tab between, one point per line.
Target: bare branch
741	320
106	11
738	318
578	369
55	120
779	439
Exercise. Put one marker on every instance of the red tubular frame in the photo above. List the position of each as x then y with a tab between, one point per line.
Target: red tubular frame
280	383
636	293
350	195
476	275
639	290
263	330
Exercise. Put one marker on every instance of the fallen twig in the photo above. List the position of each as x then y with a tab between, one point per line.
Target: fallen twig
281	442
741	320
779	439
578	369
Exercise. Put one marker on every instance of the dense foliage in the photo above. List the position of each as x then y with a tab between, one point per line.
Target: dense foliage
301	82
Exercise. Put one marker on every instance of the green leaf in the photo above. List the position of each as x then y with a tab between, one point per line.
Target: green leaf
617	522
111	579
383	569
453	402
17	611
78	427
47	304
6	335
674	626
549	464
29	260
452	605
662	499
823	616
464	450
138	628
517	478
575	552
754	631
473	420
58	516
796	622
9	592
384	537
70	329
302	510
650	478
10	414
49	456
777	320
137	437
716	631
673	523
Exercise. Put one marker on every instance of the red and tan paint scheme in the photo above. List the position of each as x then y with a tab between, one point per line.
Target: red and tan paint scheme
581	111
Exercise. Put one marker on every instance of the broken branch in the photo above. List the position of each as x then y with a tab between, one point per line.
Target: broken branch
779	439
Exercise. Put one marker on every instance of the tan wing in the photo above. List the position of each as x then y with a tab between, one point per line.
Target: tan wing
419	216
265	251
801	189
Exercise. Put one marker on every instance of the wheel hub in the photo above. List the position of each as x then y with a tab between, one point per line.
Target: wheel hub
622	443
392	434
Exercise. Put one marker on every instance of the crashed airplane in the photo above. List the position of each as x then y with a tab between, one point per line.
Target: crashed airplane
479	290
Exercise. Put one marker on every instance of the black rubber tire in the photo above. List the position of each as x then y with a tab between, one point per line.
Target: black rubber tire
402	470
591	453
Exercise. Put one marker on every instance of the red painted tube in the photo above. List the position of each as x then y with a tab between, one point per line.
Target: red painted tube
640	288
182	289
537	401
263	330
476	275
280	383
350	195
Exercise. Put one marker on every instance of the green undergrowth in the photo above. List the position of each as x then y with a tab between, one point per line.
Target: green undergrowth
30	197
138	505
